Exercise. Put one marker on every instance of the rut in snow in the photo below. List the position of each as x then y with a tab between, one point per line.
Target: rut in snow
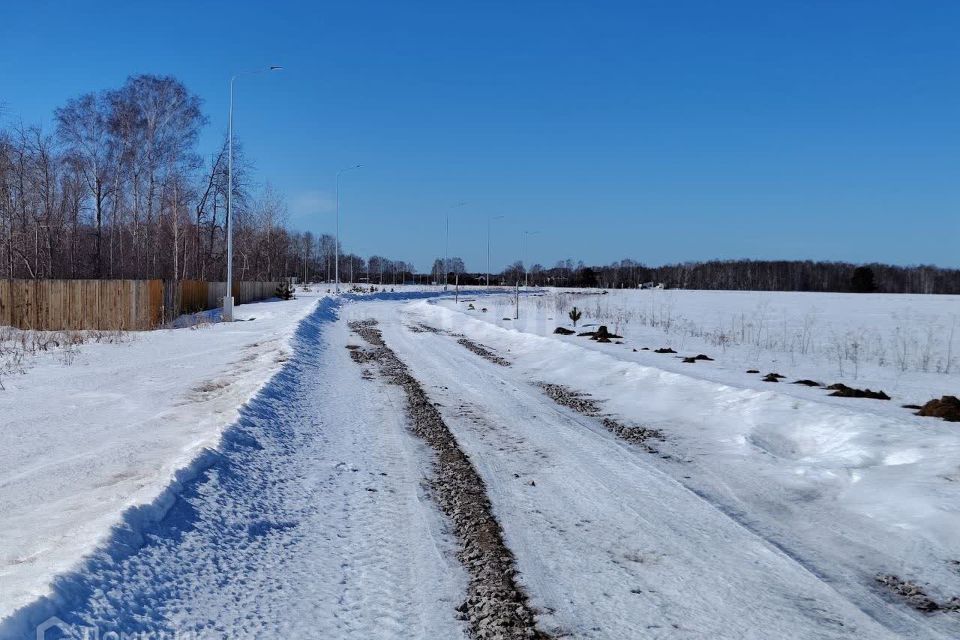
496	607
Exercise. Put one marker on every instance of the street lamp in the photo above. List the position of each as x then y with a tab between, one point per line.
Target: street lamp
227	314
446	246
488	245
336	263
526	272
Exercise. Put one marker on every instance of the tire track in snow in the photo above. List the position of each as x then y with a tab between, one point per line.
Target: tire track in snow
495	606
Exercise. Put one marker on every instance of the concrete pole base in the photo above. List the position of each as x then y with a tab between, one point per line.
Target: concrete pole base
228	309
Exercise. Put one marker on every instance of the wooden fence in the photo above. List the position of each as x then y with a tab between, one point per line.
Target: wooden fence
51	305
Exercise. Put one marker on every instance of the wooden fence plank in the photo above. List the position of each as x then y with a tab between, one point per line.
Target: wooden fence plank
5	303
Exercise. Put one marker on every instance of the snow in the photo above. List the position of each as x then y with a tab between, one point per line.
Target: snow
845	488
906	345
305	522
179	482
82	443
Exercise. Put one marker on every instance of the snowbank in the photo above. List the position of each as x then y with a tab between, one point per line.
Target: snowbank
82	443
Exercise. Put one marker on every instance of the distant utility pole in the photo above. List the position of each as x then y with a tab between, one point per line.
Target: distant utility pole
336	263
446	246
488	245
523	236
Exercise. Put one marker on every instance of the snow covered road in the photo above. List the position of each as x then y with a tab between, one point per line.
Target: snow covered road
607	545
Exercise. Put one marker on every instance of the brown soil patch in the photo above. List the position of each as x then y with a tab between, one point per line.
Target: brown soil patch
947	407
841	390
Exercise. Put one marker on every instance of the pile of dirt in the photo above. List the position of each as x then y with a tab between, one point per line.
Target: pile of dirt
808	383
483	352
602	334
689	360
563	331
773	377
753	370
664	350
701	356
841	390
496	606
947	407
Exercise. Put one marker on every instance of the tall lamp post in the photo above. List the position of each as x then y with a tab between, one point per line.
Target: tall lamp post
446	246
227	314
488	245
523	253
336	262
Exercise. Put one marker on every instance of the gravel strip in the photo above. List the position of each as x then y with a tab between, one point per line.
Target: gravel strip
483	352
496	607
479	349
914	595
582	403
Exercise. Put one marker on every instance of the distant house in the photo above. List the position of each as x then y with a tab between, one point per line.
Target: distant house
652	285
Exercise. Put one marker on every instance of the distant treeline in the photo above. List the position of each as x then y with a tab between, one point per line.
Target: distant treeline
753	275
120	188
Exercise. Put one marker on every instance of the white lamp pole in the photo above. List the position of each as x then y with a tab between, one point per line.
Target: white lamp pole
488	245
446	246
523	252
336	262
227	313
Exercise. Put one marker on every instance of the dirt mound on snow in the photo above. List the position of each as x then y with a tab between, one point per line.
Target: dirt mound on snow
843	391
563	331
947	407
600	335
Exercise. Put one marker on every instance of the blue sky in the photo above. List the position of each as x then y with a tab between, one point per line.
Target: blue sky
661	131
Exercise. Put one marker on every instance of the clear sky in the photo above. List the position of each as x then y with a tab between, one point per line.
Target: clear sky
662	131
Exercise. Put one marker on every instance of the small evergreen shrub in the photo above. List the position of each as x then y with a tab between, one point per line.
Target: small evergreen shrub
284	291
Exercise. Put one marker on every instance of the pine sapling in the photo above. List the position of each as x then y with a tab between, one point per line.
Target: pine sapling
284	291
575	315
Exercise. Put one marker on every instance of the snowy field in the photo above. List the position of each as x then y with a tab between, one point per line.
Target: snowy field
747	510
906	345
